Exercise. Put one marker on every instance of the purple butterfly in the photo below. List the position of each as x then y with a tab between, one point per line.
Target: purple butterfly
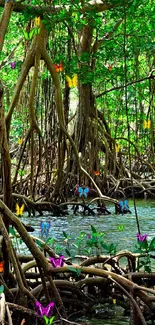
45	311
57	261
13	64
141	237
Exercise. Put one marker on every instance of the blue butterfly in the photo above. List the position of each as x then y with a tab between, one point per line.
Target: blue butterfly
45	227
83	191
124	206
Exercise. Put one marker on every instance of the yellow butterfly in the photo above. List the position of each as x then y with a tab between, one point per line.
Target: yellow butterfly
72	82
117	147
114	301
20	210
147	124
37	21
20	141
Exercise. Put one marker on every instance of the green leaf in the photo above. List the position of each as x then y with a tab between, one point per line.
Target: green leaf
31	33
93	229
78	272
26	34
48	320
72	269
152	245
20	241
12	231
39	243
68	252
49	241
147	269
65	234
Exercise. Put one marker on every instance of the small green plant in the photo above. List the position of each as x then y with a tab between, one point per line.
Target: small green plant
95	241
92	243
144	247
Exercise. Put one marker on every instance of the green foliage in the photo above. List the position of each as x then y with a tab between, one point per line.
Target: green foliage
49	320
145	248
65	28
77	271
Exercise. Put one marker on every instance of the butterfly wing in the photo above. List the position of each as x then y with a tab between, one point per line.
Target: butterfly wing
40	309
80	191
17	209
48	224
42	226
1	266
121	204
86	191
61	260
146	124
56	67
74	80
96	173
117	147
149	124
13	64
37	21
21	209
20	141
69	80
126	205
49	309
53	262
47	227
110	67
61	67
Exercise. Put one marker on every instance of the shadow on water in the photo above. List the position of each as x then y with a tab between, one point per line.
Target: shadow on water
125	239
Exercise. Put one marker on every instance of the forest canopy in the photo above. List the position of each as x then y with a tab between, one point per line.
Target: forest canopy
79	72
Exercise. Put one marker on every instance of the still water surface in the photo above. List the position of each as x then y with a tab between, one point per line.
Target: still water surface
107	224
125	239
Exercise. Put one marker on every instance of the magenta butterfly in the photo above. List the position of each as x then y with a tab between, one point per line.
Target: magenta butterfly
44	311
57	261
13	64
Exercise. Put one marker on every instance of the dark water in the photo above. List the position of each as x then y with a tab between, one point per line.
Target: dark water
109	225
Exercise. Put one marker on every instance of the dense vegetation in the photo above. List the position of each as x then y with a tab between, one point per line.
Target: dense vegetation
76	109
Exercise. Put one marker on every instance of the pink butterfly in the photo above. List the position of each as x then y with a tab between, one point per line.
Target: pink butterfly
13	64
44	311
57	261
